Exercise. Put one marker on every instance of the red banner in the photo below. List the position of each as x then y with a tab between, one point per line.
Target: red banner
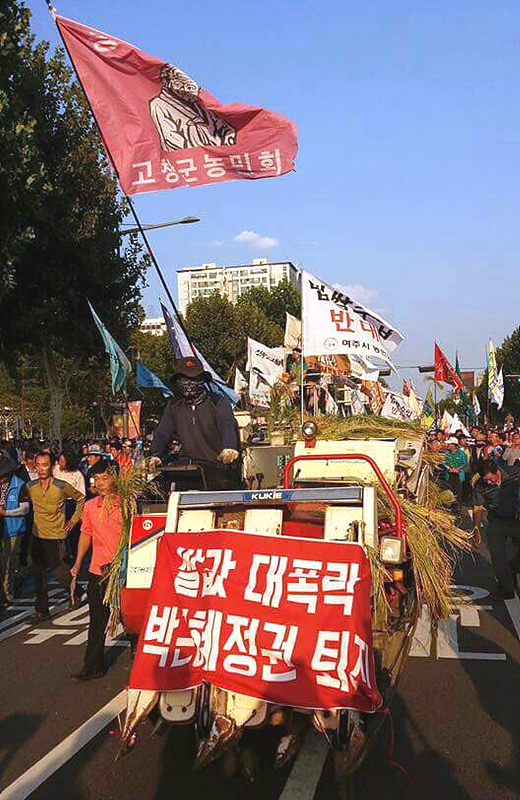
282	619
162	129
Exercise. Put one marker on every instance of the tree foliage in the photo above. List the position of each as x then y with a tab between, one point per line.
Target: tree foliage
220	329
22	177
67	242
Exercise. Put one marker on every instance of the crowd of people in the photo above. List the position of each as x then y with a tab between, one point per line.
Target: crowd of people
59	511
482	472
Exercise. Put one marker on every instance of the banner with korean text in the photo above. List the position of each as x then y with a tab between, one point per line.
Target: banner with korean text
281	619
162	129
333	322
268	362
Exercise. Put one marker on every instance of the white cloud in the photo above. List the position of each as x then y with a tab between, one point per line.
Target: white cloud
363	294
256	241
216	243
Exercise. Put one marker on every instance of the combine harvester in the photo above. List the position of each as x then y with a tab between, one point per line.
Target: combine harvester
362	502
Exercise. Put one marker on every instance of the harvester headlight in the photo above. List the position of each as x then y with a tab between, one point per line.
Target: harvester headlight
309	429
391	550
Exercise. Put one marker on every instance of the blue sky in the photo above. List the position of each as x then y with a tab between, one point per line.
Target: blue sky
406	181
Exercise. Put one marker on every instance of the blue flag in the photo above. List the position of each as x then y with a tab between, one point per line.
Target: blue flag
149	380
120	366
182	348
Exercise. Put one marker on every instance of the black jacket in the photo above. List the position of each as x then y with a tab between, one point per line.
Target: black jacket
203	430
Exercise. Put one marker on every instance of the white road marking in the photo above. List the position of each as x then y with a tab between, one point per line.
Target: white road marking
448	645
306	772
63	752
422	640
22	614
12	631
513	606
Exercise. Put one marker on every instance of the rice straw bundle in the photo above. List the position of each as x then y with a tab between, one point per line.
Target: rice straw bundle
132	483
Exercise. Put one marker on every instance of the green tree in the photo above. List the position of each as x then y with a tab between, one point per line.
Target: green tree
22	177
508	356
220	330
74	252
285	297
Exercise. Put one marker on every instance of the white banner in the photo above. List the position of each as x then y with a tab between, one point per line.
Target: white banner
268	362
396	407
336	323
293	332
259	390
363	370
414	402
357	403
240	382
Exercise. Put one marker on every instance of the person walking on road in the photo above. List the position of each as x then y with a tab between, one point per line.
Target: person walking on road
48	496
100	532
13	518
498	492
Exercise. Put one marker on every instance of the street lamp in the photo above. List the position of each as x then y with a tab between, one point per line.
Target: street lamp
183	221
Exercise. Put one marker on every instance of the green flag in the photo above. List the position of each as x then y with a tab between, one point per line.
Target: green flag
120	366
428	410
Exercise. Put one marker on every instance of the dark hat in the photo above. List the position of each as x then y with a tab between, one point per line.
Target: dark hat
7	465
190	367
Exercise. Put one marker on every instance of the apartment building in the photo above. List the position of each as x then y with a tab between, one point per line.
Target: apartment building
231	281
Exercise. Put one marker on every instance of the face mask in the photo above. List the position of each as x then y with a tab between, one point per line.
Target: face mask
193	391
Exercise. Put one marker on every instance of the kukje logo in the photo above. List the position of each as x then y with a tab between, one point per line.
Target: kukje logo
266	496
147	524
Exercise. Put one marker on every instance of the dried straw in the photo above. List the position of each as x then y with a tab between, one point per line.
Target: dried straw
132	484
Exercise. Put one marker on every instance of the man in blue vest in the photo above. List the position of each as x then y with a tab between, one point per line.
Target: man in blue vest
14	507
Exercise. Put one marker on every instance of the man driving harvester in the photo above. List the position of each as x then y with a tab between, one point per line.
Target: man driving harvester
203	422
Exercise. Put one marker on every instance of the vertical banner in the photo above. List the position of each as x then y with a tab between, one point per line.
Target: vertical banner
134	419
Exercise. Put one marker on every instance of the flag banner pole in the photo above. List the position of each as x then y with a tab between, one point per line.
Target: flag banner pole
127	404
302	405
52	11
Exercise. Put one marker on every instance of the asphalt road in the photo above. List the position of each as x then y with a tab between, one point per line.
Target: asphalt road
456	719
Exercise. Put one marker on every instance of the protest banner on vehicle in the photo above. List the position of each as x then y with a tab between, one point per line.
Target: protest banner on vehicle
336	323
248	614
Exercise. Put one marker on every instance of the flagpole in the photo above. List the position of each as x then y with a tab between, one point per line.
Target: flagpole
52	11
303	352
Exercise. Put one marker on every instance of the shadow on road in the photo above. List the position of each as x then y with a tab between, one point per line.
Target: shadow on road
15	731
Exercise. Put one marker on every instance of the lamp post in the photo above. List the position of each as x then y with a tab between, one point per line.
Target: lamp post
155	225
142	228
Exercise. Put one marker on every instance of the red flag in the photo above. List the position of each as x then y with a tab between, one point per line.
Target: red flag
406	388
444	372
161	129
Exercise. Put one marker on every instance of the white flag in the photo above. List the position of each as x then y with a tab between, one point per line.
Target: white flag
293	332
396	407
414	403
240	382
476	406
498	393
259	390
362	369
336	323
331	407
356	403
446	421
268	362
456	424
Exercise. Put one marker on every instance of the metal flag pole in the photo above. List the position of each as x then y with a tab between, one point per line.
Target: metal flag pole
52	11
302	360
